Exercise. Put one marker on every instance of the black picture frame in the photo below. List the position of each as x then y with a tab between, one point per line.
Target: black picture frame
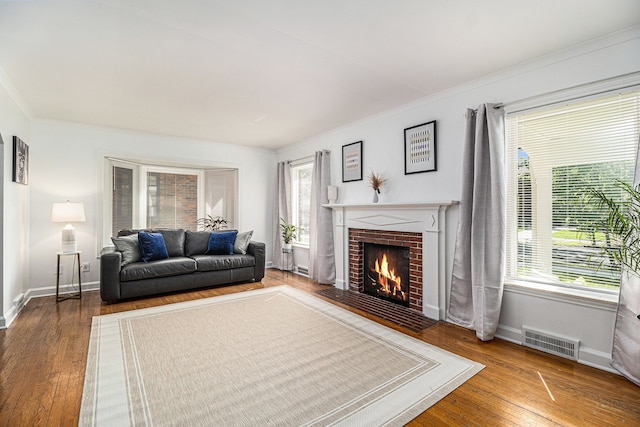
352	162
20	170
420	148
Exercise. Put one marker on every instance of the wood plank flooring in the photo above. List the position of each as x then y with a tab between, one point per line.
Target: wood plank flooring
43	355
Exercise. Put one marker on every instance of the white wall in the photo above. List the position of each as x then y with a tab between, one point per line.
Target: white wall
67	164
383	152
14	206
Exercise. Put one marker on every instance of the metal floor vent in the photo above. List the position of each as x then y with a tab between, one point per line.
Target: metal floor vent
303	270
563	347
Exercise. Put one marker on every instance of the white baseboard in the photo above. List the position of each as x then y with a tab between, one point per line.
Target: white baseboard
586	356
47	291
596	359
341	284
431	311
16	308
510	334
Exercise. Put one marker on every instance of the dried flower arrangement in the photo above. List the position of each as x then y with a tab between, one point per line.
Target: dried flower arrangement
376	181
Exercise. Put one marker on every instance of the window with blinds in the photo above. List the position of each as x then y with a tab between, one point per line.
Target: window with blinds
554	157
301	200
144	195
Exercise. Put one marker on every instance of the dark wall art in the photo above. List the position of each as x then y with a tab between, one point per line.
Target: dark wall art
20	161
352	162
420	148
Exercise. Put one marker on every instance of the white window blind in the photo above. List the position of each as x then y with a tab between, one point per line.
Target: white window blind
554	156
301	200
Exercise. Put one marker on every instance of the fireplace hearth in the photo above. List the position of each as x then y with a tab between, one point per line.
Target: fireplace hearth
385	270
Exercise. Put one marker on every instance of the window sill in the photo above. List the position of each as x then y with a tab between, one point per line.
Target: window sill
603	300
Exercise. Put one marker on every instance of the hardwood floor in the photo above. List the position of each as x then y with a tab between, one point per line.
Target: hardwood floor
43	354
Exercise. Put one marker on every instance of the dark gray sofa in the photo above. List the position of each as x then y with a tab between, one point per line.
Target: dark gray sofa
186	268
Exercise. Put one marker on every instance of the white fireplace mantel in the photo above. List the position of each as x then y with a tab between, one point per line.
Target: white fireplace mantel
427	218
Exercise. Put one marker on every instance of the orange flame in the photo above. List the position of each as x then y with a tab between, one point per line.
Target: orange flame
387	278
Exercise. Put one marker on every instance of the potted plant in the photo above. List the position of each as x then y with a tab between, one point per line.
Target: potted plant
210	223
622	223
288	232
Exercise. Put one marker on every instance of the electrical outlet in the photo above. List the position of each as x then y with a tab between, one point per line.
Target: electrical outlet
85	267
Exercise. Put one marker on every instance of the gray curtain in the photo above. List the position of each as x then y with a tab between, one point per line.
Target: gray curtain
479	259
281	209
322	265
626	335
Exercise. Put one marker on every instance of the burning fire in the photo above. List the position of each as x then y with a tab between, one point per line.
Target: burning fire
387	279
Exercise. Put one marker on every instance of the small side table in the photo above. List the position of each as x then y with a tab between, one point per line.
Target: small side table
287	256
77	295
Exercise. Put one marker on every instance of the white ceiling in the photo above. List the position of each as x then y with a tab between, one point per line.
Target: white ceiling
270	73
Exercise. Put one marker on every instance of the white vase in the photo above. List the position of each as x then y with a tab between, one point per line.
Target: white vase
375	196
287	246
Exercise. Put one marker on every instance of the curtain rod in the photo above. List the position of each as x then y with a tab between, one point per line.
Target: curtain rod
301	160
307	159
624	81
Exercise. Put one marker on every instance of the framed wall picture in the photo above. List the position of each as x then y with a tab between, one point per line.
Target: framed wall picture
352	162
20	161
420	148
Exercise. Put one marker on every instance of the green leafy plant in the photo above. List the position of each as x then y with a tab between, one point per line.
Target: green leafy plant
288	231
622	223
210	223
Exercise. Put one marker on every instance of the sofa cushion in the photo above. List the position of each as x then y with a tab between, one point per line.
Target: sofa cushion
197	242
242	242
221	243
152	246
223	262
162	268
174	240
128	247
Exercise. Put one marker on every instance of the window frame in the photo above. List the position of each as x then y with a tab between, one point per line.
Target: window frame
144	171
295	193
565	292
140	173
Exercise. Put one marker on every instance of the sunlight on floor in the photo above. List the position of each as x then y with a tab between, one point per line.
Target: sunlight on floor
545	386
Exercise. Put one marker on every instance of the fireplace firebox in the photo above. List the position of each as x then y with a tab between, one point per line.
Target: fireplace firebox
385	271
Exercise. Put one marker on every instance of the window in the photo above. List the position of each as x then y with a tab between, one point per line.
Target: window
150	196
172	200
301	200
554	157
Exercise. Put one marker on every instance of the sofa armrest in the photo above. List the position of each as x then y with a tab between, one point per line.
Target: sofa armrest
257	249
110	276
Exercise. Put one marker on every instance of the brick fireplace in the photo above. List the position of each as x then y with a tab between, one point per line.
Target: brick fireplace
413	241
419	226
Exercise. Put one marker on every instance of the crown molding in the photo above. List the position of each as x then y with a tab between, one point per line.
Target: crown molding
7	85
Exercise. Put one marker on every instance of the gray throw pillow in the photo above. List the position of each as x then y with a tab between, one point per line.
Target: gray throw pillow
242	242
128	246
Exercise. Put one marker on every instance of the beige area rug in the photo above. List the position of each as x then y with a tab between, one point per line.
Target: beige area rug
274	356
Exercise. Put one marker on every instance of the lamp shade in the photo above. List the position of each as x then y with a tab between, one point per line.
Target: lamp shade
67	212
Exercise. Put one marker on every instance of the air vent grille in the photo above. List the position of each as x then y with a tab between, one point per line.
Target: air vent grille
564	347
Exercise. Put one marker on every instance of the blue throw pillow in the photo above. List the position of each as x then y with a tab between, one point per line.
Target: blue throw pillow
152	246
221	243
